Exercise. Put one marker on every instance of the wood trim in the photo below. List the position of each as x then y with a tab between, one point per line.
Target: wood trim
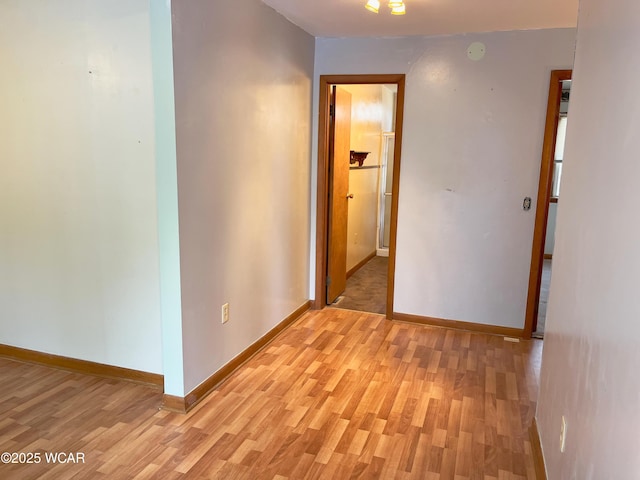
459	325
548	256
184	405
536	451
395	189
174	404
544	194
85	367
361	264
322	213
320	300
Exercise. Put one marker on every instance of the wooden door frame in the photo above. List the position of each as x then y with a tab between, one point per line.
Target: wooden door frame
544	194
323	178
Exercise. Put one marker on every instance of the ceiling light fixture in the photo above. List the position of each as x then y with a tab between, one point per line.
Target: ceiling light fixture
373	6
397	6
401	10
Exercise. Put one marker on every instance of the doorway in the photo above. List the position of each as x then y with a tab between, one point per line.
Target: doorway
548	197
335	157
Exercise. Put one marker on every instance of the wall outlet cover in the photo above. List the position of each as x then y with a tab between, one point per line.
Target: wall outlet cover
563	434
225	313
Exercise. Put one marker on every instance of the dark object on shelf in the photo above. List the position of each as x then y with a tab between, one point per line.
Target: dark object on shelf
358	157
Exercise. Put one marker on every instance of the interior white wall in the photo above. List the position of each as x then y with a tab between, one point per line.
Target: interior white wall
591	356
167	195
367	117
78	230
243	80
389	97
471	152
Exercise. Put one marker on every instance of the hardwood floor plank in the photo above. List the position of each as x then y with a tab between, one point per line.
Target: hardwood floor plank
338	394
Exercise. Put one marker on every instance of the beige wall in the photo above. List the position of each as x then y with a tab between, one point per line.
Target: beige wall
78	229
469	157
243	79
591	355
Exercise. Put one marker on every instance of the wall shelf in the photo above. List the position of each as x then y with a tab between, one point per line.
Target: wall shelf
358	157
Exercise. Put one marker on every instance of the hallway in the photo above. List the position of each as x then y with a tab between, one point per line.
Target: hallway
545	283
367	288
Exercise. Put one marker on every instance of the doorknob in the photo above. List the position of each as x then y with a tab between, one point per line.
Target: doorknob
350	195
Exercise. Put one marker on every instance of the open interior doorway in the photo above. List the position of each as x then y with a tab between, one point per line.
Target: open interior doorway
358	170
547	203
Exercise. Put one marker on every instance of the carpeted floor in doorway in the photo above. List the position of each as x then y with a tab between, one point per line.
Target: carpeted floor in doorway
367	288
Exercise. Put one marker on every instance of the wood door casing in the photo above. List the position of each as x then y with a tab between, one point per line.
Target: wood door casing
339	189
322	194
544	195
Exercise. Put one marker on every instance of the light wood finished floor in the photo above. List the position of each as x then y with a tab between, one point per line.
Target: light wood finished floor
338	395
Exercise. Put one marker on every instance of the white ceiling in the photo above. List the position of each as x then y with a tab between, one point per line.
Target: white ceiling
349	18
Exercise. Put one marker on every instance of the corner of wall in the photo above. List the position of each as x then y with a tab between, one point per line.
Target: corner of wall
167	195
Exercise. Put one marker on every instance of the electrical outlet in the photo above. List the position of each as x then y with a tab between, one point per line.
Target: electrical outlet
225	313
563	434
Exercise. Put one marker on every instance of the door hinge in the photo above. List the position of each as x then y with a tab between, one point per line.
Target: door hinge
332	110
328	281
